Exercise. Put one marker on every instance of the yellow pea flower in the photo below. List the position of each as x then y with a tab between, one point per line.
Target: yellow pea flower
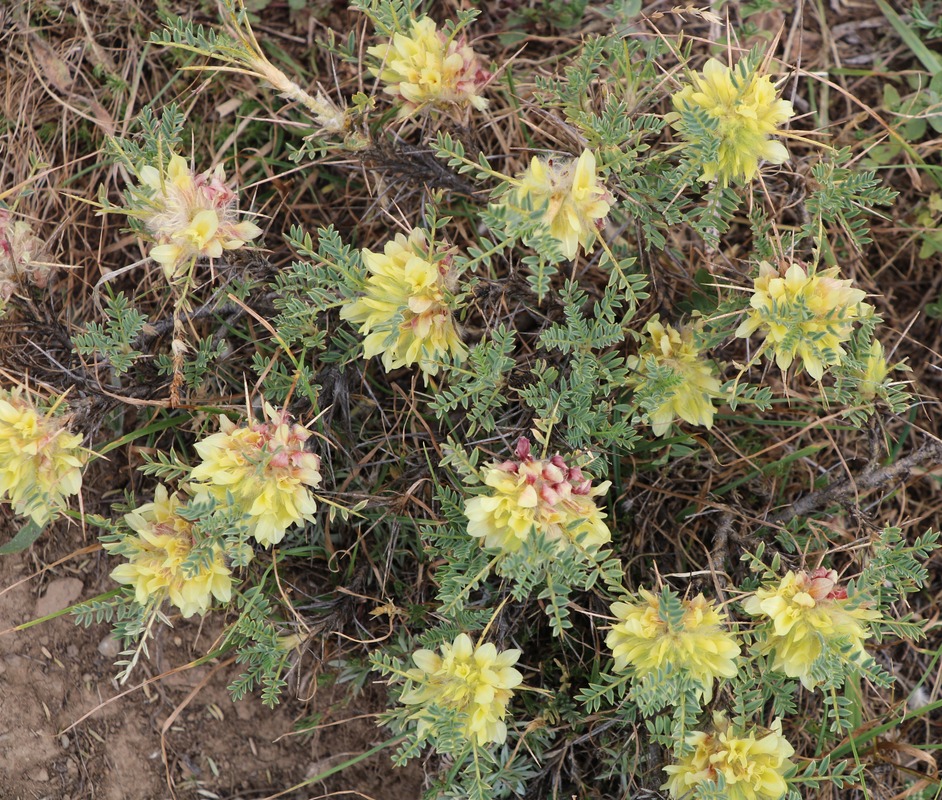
753	763
157	555
425	68
804	314
40	460
692	398
808	613
189	215
643	642
406	312
475	680
576	201
265	468
748	111
529	494
874	372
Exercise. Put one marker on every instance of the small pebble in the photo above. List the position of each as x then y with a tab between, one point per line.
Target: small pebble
109	647
71	651
65	741
41	775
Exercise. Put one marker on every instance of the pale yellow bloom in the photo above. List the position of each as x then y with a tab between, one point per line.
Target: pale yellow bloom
874	372
477	681
426	68
692	399
576	201
747	110
546	496
40	460
265	468
808	614
804	314
156	557
702	646
189	215
753	763
406	313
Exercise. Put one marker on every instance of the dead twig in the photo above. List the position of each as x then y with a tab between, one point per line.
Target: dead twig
871	478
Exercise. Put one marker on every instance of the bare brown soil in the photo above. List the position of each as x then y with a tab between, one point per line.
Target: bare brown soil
66	734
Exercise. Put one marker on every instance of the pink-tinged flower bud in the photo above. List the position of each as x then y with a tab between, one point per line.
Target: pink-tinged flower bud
522	450
553	474
536	495
549	495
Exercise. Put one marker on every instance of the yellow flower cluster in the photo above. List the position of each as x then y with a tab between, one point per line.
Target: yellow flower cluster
529	494
265	468
40	461
804	314
692	398
808	613
576	201
747	110
428	69
406	313
701	645
21	256
189	215
477	681
753	764
157	555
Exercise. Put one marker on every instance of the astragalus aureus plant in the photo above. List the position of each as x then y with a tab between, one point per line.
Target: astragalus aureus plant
474	681
530	496
574	199
425	68
509	354
41	460
650	637
407	312
672	378
745	764
805	313
189	215
738	110
262	470
813	631
165	560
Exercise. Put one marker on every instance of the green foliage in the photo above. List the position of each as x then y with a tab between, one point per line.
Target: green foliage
255	638
479	387
838	207
113	341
